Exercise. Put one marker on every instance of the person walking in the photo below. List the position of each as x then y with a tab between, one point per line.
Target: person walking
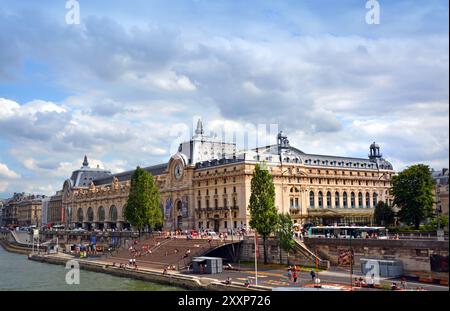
289	273
403	284
313	275
295	276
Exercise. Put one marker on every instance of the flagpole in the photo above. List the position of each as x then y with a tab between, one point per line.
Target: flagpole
256	259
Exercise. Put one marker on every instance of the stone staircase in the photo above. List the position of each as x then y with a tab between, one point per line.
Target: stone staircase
164	252
309	257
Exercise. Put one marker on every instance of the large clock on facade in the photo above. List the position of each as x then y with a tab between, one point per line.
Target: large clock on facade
178	171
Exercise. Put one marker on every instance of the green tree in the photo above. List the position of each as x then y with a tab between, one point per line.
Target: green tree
413	194
264	217
440	221
143	205
383	215
285	234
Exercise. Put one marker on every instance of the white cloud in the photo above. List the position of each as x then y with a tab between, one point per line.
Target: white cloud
6	172
132	90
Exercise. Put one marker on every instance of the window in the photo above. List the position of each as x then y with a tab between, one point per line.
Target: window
207	191
345	199
215	191
367	200
320	199
375	199
235	224
200	224
207	225
207	203
225	224
225	190
311	199
352	199
225	202
360	200
216	203
336	199
235	215
234	189
328	199
296	203
199	204
292	202
199	193
234	202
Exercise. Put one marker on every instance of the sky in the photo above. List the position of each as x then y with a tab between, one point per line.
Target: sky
126	84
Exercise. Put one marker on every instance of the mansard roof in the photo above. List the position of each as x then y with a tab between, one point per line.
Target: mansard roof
294	155
124	176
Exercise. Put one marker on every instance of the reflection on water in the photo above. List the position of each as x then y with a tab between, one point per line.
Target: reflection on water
19	273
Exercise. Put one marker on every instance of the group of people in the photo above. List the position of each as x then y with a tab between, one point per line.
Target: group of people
131	264
292	275
402	286
169	267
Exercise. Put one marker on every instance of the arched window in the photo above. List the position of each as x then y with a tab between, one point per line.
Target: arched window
311	199
320	199
345	199
367	200
336	199
328	199
90	214
113	213
375	199
352	198
360	200
101	214
80	215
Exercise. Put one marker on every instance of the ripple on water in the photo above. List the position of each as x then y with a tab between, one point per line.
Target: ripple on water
19	273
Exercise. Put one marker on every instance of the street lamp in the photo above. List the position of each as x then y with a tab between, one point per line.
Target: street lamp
351	261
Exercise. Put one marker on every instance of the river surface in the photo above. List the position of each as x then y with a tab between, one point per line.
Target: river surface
19	273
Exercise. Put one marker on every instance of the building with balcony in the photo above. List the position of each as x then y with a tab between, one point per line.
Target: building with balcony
206	185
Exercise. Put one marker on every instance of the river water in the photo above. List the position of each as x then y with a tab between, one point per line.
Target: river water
19	273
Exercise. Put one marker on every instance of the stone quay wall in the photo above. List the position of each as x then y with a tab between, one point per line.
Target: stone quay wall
414	254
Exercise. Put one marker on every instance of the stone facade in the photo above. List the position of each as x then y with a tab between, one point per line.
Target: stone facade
55	210
441	190
214	194
30	211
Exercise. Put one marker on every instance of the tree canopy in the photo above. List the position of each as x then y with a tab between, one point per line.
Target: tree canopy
264	217
143	205
285	233
413	194
384	215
